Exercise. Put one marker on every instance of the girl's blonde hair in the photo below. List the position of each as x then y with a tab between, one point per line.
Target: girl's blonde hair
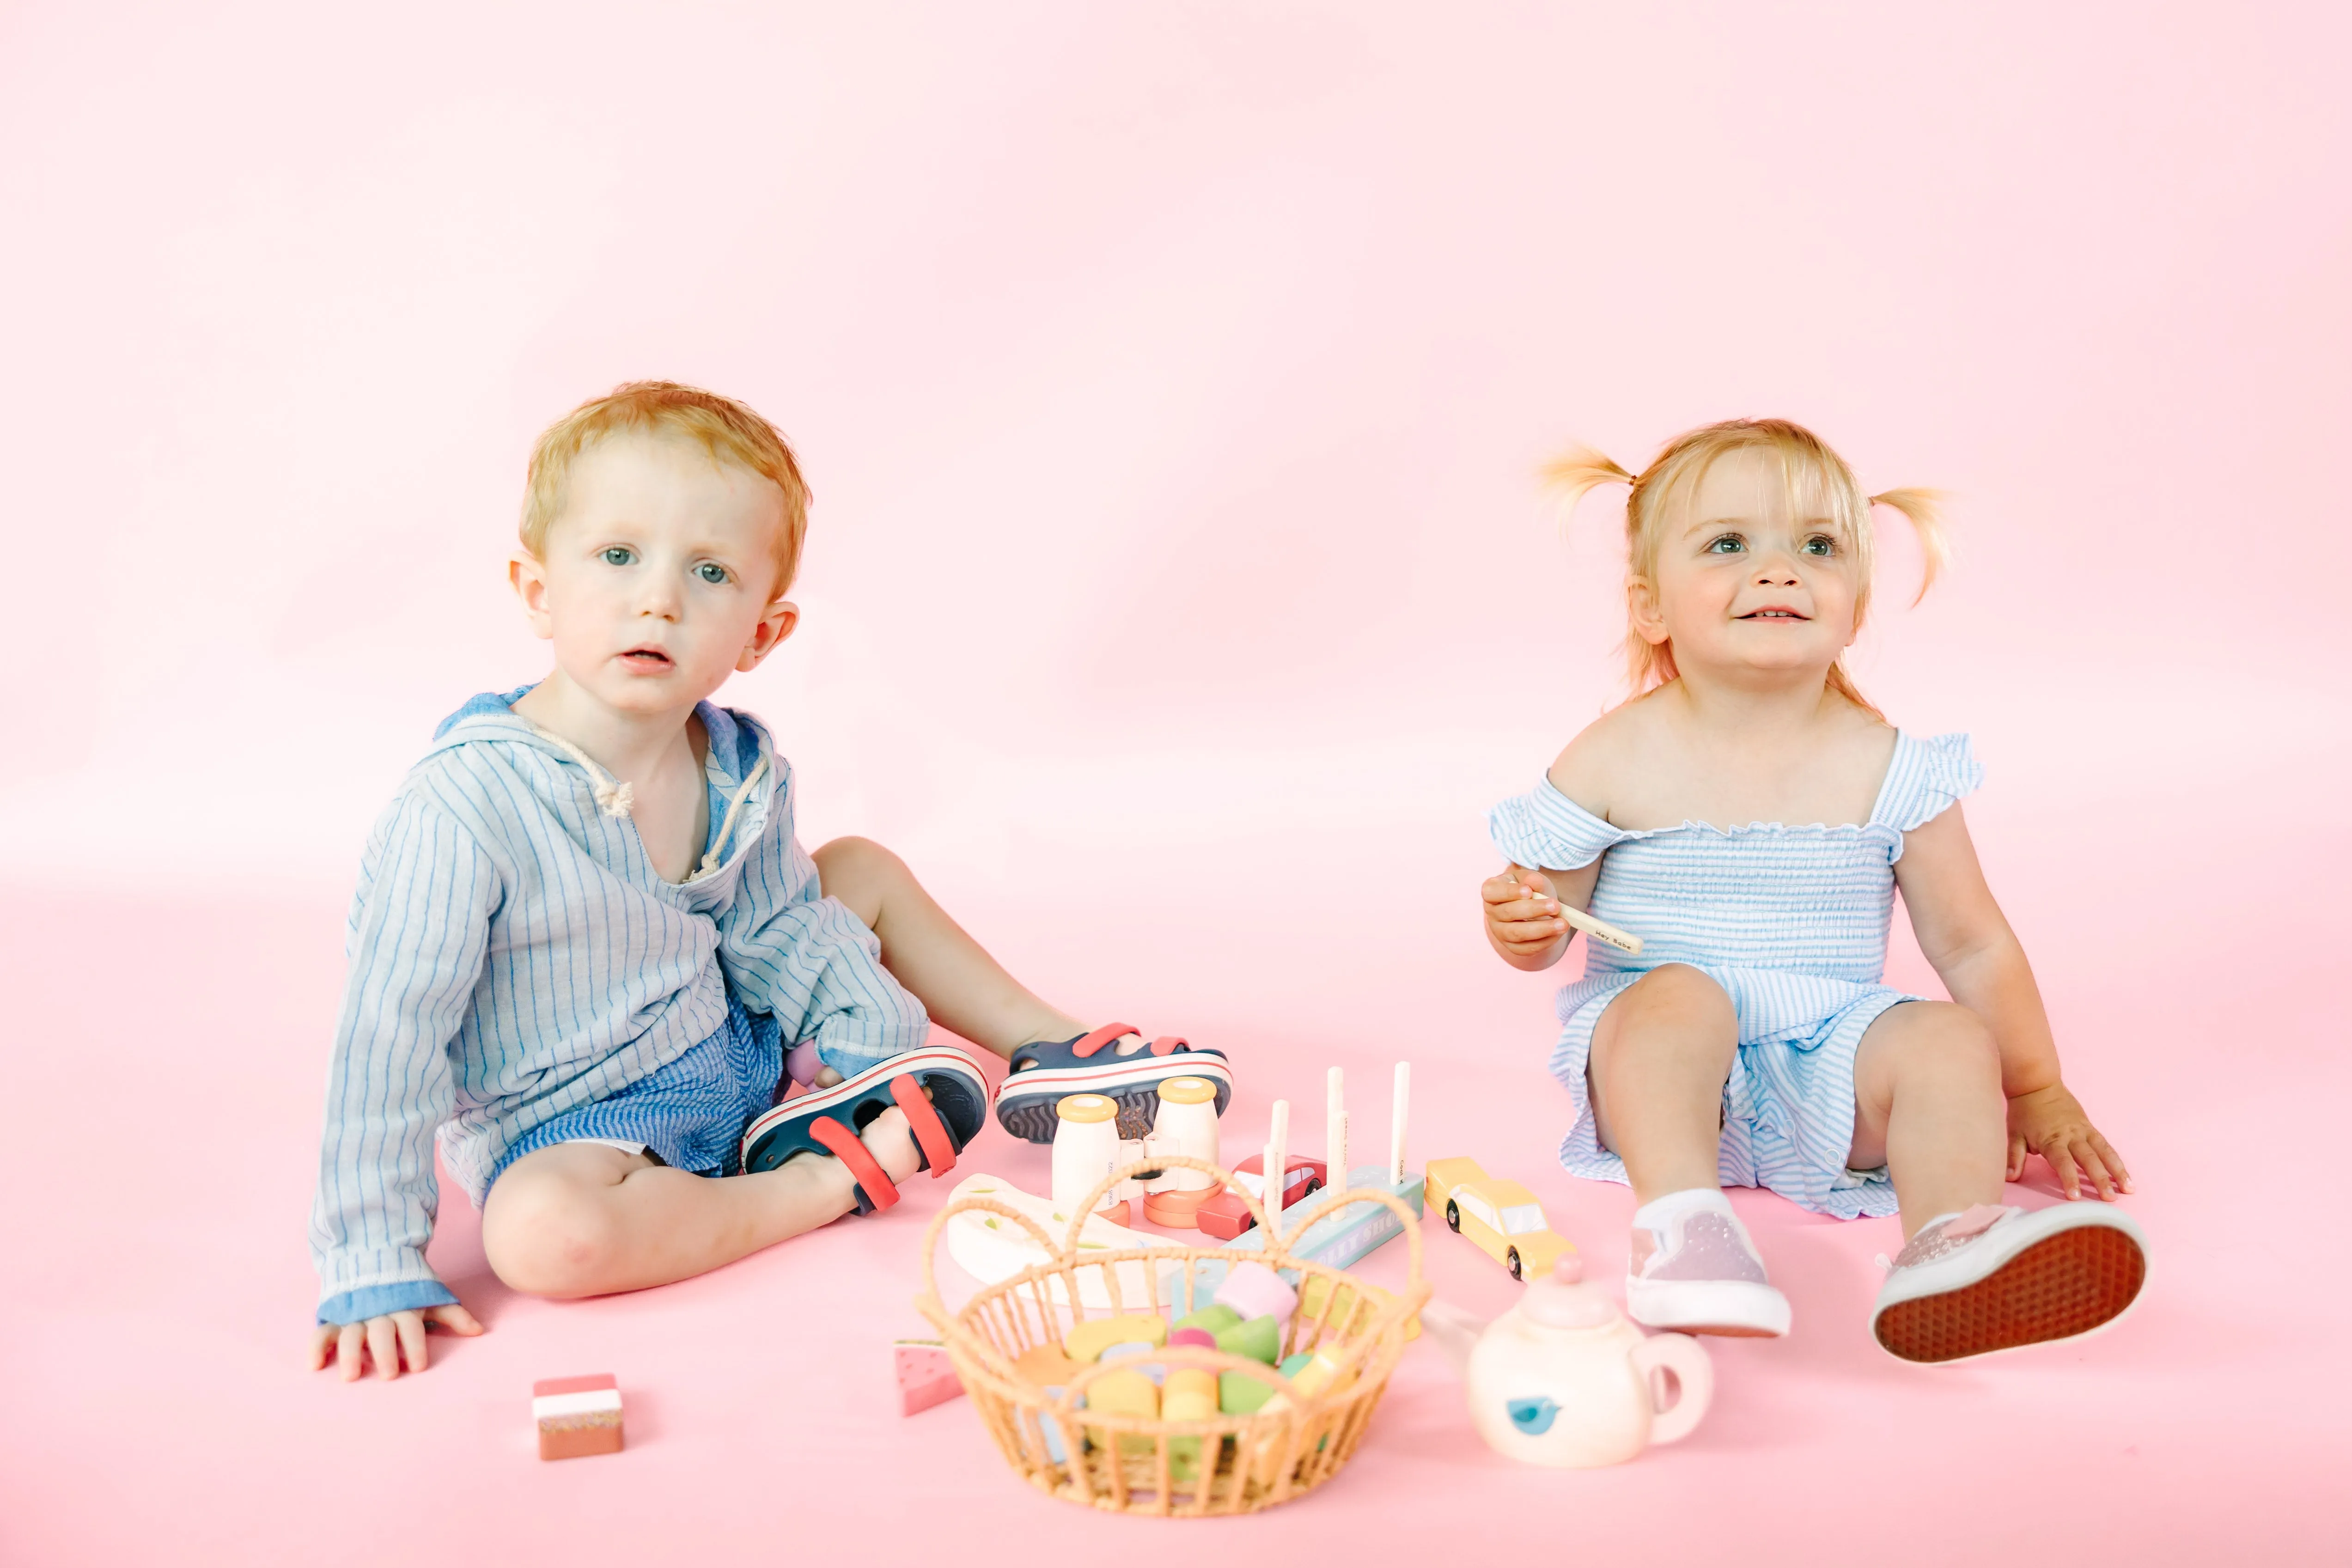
1817	481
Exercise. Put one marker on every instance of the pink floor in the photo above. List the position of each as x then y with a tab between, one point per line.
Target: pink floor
163	1127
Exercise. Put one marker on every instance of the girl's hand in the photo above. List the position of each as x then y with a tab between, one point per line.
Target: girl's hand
1523	918
387	1339
2050	1123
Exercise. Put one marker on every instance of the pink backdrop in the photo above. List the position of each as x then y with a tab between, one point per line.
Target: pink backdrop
1172	381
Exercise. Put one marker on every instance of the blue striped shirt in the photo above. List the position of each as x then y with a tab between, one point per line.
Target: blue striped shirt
514	954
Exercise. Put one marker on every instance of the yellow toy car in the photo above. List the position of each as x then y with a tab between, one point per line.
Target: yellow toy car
1503	1218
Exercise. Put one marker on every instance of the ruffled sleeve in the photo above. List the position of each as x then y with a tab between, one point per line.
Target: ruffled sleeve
1544	828
1923	780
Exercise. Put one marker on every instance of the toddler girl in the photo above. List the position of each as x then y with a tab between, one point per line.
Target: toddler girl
1748	816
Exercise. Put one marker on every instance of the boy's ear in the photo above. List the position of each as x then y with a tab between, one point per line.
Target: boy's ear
527	577
776	624
1642	610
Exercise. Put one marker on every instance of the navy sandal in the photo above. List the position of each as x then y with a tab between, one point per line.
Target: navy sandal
1043	1074
829	1122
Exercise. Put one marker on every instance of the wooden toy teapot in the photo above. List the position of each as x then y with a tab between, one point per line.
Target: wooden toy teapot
1563	1380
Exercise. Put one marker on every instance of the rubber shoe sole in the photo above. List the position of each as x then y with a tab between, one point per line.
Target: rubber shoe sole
1734	1308
2075	1282
1026	1102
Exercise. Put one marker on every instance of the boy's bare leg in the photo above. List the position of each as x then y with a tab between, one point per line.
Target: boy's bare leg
584	1219
1661	1055
965	990
1928	1106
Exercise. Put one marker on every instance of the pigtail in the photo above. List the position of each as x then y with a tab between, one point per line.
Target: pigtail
1925	509
1580	469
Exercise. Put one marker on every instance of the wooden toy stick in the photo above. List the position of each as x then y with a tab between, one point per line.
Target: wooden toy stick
1600	930
1277	1153
1396	1123
1335	1130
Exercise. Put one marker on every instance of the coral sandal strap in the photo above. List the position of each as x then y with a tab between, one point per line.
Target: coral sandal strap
1088	1045
1166	1043
872	1179
939	1148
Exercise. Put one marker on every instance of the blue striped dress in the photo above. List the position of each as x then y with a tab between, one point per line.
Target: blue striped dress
1790	921
522	975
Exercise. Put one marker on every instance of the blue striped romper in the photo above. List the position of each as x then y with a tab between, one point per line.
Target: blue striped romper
1790	921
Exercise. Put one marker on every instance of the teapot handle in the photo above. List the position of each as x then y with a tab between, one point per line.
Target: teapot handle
1686	1359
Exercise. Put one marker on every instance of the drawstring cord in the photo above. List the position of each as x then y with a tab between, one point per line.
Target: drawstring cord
616	799
727	823
612	798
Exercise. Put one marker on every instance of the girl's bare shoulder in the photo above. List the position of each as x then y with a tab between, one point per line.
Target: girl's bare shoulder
1598	769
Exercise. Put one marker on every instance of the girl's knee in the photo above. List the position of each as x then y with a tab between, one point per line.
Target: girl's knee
1678	993
1948	1040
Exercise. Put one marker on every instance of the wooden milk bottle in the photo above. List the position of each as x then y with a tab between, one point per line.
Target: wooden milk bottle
1086	1149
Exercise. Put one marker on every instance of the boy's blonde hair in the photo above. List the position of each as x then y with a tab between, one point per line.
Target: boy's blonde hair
728	430
1817	481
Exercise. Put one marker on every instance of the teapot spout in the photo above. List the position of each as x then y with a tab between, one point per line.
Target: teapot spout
1454	1330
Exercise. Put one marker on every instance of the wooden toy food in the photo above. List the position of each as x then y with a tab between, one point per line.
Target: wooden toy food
1086	1149
1216	1317
1087	1341
925	1376
1186	1124
1260	1339
1256	1292
577	1416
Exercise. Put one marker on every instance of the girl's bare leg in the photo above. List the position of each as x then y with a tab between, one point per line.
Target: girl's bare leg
965	990
1661	1055
1928	1106
585	1219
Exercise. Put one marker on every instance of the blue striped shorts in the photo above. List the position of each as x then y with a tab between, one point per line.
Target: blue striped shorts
689	1112
1788	1106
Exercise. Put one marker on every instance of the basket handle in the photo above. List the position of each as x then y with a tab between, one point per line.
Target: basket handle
931	1303
1276	1252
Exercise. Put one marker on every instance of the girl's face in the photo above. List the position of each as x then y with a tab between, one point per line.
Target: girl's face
1747	587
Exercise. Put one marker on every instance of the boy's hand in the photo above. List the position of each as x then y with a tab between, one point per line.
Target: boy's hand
2050	1123
1523	917
387	1339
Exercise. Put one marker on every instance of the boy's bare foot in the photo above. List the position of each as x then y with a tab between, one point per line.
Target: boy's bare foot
892	1143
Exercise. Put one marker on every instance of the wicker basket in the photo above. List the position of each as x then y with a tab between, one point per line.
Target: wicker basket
1132	1463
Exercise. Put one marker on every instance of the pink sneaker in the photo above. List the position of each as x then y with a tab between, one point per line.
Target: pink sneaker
1694	1269
1997	1278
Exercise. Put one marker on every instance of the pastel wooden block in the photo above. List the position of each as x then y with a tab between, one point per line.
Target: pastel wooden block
1046	1365
1350	1307
1239	1394
1216	1317
1123	1392
1256	1292
577	1416
1088	1340
1190	1394
1260	1339
926	1375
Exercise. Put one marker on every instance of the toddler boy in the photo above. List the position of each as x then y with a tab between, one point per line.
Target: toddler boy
585	941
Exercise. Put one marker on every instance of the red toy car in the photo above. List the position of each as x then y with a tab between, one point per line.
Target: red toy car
1225	1216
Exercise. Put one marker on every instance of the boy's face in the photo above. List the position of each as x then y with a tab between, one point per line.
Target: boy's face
1745	585
658	574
